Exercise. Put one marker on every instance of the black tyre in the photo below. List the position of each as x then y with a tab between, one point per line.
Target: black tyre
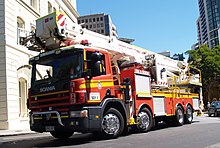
112	124
144	121
189	115
61	135
179	117
209	113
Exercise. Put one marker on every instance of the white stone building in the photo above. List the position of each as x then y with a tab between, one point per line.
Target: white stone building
17	19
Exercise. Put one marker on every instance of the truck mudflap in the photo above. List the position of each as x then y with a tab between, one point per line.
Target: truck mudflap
88	119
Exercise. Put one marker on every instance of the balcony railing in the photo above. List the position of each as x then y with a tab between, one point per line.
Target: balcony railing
21	35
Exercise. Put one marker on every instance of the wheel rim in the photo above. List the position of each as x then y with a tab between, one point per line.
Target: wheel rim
180	116
110	124
143	120
189	114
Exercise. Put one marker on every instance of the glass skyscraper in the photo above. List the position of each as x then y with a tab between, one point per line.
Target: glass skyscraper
208	23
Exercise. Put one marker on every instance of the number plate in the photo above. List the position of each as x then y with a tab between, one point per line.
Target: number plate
49	128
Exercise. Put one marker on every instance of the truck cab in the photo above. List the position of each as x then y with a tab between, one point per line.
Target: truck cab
66	85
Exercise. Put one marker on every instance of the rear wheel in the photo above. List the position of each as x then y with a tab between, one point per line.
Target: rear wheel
179	116
61	135
144	121
112	124
189	115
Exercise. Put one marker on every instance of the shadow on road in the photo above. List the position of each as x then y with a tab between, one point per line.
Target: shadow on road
80	139
76	139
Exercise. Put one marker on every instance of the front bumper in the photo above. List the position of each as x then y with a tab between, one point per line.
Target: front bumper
54	121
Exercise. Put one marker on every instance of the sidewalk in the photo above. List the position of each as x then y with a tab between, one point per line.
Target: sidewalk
15	132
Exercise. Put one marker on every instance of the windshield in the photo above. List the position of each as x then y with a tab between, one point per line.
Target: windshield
58	67
216	104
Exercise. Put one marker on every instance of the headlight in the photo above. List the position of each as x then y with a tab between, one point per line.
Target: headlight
74	114
83	114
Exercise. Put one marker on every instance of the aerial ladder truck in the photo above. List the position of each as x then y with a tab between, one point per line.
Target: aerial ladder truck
83	81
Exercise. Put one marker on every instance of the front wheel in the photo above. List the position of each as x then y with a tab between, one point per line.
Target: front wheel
144	121
61	135
112	124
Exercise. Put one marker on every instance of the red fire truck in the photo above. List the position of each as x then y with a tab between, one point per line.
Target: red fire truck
86	82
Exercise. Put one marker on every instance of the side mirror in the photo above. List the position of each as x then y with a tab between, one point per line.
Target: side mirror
97	56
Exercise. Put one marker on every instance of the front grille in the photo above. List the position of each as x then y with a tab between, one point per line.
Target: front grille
51	101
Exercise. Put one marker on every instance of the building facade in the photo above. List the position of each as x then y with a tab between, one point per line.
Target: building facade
17	20
176	56
100	23
208	22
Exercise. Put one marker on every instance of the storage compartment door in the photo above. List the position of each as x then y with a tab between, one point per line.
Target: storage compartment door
159	106
142	85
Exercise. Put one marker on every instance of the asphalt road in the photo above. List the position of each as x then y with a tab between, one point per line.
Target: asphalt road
203	133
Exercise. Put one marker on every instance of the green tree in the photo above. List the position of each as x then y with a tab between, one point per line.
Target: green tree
208	61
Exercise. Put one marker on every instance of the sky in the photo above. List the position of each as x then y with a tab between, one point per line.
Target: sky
156	25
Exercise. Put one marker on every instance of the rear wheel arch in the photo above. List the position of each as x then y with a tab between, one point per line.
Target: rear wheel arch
180	105
189	104
146	106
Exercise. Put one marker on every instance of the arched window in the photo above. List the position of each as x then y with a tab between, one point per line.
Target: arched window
23	112
20	23
50	8
24	75
21	33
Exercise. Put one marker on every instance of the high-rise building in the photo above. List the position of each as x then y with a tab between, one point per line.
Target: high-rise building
208	22
17	20
100	23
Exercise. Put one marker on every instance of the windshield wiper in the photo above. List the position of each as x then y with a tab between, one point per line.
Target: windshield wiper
39	73
42	82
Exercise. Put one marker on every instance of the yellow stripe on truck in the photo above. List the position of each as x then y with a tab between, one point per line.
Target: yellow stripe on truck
143	94
96	83
53	93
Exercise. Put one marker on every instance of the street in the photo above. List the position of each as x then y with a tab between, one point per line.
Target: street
202	133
